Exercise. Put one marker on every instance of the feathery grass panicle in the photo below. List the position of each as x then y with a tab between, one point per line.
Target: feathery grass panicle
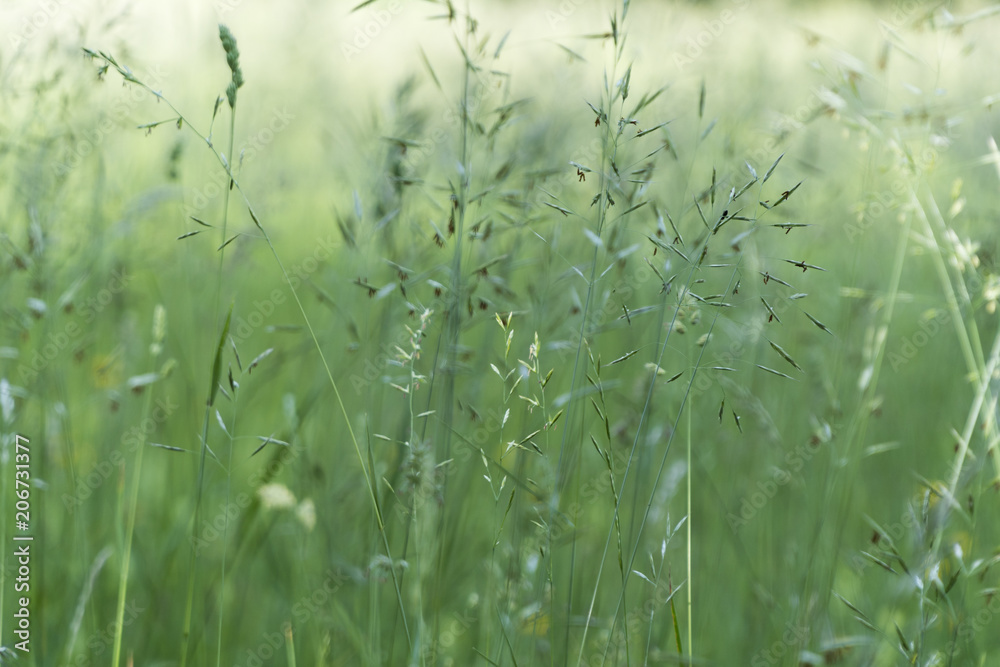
691	254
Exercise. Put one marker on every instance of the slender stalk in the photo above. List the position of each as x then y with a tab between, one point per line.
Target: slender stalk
208	410
965	327
453	318
609	148
235	183
225	531
967	333
858	428
158	332
690	579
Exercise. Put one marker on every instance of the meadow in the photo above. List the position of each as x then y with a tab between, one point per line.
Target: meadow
499	333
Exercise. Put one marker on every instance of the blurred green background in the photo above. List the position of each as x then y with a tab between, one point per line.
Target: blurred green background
816	487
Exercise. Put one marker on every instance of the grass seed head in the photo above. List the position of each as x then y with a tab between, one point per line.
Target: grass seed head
233	59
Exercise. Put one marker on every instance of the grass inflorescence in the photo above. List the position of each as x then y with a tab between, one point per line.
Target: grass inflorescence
549	348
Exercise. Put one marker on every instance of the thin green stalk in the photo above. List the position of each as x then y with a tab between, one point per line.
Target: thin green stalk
181	119
701	250
289	645
981	370
663	460
225	529
340	404
454	317
968	339
492	594
971	421
208	405
968	334
642	420
858	428
690	579
193	560
158	335
609	148
418	537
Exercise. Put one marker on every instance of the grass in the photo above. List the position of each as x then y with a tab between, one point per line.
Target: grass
663	362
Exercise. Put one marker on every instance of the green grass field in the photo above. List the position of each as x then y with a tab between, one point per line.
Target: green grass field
499	334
